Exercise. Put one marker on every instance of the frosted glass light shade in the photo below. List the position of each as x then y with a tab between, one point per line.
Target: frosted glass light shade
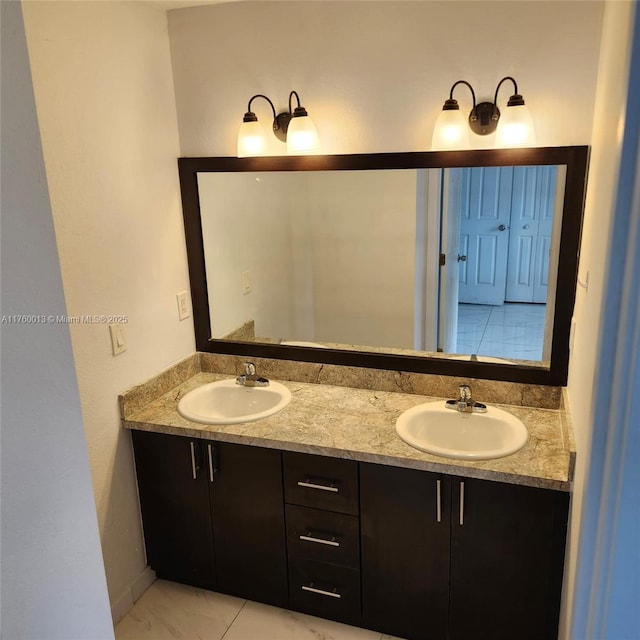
251	139
302	136
451	131
515	128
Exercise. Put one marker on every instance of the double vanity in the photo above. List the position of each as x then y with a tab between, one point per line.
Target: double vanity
348	487
329	502
472	432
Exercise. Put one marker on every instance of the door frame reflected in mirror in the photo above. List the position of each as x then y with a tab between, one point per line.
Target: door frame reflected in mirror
575	159
503	224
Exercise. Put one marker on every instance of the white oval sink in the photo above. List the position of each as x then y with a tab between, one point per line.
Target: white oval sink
225	402
446	432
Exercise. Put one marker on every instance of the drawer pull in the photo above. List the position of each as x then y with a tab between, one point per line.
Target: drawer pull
193	460
439	501
461	504
331	542
314	485
210	463
322	592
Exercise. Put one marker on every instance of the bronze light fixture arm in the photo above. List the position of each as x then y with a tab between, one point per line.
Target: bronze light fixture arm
484	116
455	84
284	118
280	120
299	110
452	104
294	93
515	100
260	95
480	116
250	116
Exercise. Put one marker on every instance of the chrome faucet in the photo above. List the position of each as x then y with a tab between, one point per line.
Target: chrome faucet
465	402
250	378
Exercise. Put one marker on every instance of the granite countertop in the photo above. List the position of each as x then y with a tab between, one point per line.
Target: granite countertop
359	424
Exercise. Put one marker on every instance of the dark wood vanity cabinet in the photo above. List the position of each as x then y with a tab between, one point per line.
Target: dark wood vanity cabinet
323	535
507	557
213	514
405	518
484	564
417	555
174	501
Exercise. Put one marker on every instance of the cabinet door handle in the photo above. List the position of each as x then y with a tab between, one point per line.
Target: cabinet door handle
322	592
438	500
210	463
461	503
332	542
193	460
314	485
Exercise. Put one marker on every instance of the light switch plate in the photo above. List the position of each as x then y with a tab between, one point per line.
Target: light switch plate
246	282
118	341
183	305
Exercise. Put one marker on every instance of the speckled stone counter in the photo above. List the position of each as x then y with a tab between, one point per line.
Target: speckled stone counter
356	424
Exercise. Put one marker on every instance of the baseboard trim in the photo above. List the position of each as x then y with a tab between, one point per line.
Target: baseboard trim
122	605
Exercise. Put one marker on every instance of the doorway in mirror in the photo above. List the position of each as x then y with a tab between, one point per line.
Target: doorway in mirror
498	228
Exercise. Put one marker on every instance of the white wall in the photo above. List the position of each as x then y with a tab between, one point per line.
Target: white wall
364	238
53	582
607	582
601	190
246	227
314	245
303	294
374	75
104	96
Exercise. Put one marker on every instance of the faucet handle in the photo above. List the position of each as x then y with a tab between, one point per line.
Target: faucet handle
249	377
465	402
464	391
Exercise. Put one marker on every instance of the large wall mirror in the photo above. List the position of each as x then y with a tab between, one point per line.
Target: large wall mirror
457	263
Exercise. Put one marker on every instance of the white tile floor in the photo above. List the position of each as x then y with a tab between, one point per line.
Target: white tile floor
170	611
511	330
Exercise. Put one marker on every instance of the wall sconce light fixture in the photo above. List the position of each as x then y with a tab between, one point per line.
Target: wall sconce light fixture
293	127
514	127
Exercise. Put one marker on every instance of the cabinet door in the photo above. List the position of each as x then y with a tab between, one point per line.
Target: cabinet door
248	521
174	500
507	551
405	525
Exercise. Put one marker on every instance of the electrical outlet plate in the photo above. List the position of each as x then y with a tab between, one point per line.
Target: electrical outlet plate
183	305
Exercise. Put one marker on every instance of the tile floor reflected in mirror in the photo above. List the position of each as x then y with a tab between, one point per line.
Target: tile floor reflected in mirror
170	611
511	330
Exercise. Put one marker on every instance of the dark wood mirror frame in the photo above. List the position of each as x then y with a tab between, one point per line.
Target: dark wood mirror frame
574	158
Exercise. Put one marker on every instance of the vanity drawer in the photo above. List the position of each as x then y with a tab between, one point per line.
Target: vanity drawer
324	483
325	590
323	536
